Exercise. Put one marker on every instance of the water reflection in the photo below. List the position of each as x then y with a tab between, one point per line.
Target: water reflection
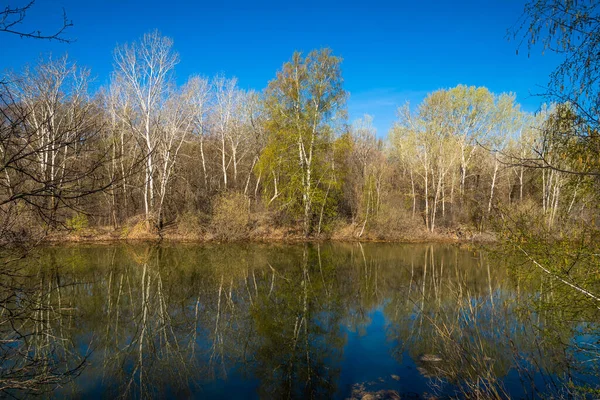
306	321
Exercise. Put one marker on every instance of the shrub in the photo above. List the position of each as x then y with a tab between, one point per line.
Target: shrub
395	222
138	227
77	223
230	217
190	224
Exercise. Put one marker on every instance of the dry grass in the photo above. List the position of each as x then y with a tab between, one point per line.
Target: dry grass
234	222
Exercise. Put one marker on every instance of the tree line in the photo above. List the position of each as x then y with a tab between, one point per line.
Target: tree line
145	154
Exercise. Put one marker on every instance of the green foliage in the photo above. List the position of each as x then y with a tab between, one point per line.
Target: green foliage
568	143
302	106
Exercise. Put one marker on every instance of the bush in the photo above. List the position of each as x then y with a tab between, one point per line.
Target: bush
138	227
521	217
395	222
190	224
77	223
230	217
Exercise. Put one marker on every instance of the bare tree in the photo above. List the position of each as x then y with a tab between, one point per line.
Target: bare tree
226	104
177	118
145	69
51	158
200	109
12	18
46	123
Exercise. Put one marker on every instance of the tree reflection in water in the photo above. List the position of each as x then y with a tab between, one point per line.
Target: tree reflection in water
301	321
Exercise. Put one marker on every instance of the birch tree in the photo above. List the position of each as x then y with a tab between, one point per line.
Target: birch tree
470	115
520	148
126	151
256	136
426	137
226	103
302	103
364	149
51	154
508	123
200	108
145	69
58	111
177	118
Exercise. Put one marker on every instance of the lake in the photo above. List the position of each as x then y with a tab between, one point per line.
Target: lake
359	321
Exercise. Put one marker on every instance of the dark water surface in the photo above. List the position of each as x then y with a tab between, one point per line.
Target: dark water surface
303	321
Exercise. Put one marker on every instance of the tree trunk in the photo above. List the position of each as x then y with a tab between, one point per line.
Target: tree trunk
489	209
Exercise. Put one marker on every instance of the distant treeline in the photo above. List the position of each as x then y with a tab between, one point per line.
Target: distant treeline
145	156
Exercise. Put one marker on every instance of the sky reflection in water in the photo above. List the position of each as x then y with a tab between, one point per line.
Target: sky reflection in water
306	321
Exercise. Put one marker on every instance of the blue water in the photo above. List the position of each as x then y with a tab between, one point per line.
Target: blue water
317	321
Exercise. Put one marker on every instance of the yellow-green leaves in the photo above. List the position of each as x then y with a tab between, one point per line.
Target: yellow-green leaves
302	104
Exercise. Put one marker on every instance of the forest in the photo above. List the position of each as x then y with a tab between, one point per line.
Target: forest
147	158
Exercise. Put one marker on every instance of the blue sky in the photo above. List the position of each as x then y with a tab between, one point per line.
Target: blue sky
393	51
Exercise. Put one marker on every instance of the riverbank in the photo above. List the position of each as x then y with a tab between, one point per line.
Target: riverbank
267	235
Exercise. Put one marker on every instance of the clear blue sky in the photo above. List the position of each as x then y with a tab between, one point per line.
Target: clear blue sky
393	51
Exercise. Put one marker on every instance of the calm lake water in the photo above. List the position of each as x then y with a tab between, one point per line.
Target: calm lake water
300	321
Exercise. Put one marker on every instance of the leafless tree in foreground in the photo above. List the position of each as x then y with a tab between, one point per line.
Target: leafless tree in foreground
13	17
52	157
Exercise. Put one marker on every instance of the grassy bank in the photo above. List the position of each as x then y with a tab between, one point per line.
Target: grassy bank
181	232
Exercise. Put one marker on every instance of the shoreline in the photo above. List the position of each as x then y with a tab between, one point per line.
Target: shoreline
112	239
